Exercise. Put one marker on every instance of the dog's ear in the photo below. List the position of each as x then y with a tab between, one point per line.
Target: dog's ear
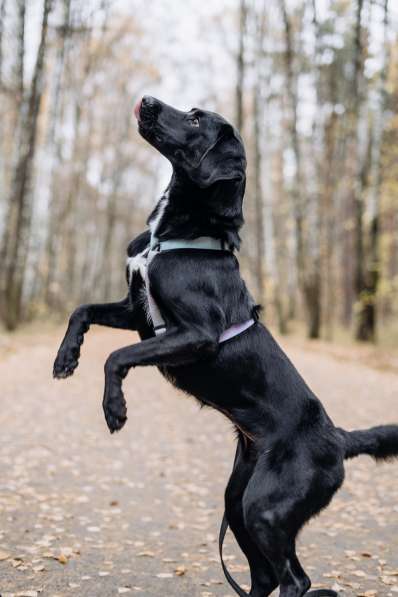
224	160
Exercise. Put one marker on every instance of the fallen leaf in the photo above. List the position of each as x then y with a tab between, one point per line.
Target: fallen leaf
180	570
387	580
4	555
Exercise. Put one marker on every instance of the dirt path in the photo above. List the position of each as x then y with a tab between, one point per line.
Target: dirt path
84	513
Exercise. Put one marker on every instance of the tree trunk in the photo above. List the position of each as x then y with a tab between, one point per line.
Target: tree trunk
14	250
258	197
20	68
357	175
313	301
240	65
366	318
279	239
258	116
2	16
51	245
308	272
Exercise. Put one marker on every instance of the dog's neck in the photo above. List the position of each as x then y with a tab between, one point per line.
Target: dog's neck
188	211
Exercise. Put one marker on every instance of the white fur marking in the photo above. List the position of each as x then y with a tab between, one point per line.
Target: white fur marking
154	223
137	264
143	298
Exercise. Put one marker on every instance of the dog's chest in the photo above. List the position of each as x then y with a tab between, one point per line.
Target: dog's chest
138	263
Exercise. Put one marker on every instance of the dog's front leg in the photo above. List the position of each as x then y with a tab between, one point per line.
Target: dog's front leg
175	347
116	315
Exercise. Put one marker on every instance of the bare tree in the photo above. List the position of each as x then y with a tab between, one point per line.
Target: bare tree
16	239
241	65
2	17
368	269
308	265
258	117
64	33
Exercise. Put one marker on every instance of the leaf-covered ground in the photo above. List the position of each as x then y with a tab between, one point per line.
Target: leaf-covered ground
88	514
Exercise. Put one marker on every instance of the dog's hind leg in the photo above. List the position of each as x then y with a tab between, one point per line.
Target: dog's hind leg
263	578
283	492
267	530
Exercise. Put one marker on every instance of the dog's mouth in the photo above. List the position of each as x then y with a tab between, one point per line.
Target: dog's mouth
137	109
146	111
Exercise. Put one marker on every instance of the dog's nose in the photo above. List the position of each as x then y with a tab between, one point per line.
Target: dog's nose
148	101
144	107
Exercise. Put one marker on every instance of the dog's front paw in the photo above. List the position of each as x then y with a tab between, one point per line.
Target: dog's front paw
66	362
115	408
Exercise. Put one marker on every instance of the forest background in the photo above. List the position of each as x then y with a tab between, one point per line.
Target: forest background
311	84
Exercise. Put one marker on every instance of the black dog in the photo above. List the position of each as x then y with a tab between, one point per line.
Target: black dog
289	460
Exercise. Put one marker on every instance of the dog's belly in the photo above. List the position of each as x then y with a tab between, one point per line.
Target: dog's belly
223	383
251	387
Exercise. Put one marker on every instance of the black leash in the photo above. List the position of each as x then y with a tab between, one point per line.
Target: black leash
234	584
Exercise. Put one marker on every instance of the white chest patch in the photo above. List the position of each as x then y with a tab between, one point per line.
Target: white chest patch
137	264
155	221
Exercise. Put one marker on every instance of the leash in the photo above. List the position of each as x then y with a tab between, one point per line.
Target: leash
223	530
232	581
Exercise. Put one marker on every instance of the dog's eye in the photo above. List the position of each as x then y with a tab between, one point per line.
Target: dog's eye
194	122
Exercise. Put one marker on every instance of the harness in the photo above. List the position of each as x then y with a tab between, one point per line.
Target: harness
200	243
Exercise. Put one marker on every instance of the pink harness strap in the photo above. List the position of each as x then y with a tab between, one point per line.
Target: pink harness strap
235	330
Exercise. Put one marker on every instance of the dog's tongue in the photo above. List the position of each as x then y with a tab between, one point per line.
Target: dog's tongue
137	109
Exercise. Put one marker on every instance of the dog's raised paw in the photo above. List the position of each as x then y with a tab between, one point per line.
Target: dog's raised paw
64	365
115	414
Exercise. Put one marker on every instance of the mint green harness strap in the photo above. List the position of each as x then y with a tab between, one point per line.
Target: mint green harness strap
201	242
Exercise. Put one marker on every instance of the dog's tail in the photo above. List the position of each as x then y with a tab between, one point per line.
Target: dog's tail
379	442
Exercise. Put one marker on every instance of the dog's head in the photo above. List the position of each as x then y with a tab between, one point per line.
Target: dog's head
202	145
